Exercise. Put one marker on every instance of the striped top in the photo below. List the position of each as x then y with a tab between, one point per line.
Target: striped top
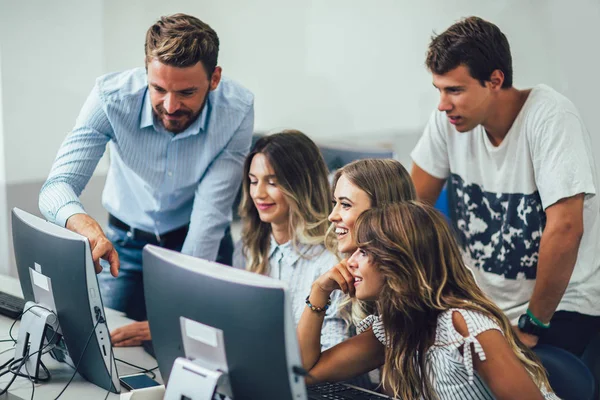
158	181
299	268
452	374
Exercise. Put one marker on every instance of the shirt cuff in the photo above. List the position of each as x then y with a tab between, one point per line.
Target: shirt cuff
66	212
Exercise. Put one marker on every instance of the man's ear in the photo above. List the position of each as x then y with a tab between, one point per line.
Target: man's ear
215	78
496	79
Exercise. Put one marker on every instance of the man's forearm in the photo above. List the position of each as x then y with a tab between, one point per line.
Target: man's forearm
557	257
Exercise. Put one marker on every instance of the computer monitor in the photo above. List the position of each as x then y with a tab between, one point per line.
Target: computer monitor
252	311
56	271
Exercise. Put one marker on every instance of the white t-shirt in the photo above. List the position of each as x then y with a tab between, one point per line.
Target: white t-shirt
501	194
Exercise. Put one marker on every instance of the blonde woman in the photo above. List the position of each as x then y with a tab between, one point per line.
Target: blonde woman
285	202
357	187
435	332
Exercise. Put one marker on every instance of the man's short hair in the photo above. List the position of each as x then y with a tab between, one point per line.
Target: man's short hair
181	40
475	43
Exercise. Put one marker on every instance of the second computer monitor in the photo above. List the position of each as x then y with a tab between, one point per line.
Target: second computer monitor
252	311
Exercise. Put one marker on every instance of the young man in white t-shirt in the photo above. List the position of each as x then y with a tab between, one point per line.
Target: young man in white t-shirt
523	181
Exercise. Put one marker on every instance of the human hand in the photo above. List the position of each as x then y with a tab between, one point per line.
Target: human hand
338	277
526	338
99	243
131	335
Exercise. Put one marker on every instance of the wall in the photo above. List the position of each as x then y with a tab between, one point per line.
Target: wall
4	226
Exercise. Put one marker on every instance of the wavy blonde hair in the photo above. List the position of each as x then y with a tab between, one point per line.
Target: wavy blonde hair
302	178
385	181
414	249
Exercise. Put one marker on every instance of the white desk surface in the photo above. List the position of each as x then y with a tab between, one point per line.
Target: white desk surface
79	388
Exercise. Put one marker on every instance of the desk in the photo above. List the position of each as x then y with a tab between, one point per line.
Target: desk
79	388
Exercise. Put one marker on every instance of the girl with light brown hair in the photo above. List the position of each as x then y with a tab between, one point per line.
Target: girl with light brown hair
435	333
285	202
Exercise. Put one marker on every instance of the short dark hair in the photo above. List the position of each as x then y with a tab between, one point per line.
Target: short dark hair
181	40
476	43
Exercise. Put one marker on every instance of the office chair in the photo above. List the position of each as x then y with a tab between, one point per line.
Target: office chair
443	202
569	377
591	358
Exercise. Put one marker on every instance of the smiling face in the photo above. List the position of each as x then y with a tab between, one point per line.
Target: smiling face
178	94
464	100
349	201
269	200
368	280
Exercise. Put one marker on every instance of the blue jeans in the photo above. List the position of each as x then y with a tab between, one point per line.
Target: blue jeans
126	292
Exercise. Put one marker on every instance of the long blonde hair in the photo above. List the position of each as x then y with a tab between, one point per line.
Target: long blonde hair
414	249
385	181
302	178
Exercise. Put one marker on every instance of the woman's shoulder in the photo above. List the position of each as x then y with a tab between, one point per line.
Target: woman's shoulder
375	323
457	323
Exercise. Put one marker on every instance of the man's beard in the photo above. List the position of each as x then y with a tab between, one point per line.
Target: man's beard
182	124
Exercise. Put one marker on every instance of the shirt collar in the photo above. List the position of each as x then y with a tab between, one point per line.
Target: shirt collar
147	117
289	254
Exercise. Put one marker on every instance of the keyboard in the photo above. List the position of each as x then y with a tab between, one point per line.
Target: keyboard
341	391
11	306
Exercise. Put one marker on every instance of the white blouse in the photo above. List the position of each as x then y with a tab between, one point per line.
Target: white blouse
453	376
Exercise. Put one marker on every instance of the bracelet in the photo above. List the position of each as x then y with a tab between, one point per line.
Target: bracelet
317	309
537	321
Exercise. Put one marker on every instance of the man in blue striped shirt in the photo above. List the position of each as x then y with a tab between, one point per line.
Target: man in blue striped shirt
178	134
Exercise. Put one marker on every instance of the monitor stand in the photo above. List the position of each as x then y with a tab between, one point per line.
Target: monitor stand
188	380
35	322
204	370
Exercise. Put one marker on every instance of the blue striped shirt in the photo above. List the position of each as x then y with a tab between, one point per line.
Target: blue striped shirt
157	181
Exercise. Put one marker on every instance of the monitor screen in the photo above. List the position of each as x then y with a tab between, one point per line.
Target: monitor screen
252	311
56	271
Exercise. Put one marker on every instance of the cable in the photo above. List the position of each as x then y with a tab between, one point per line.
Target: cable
111	357
31	380
80	358
45	379
143	370
6	363
24	360
22	313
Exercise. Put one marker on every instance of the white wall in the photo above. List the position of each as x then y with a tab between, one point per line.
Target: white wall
53	53
4	229
349	68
